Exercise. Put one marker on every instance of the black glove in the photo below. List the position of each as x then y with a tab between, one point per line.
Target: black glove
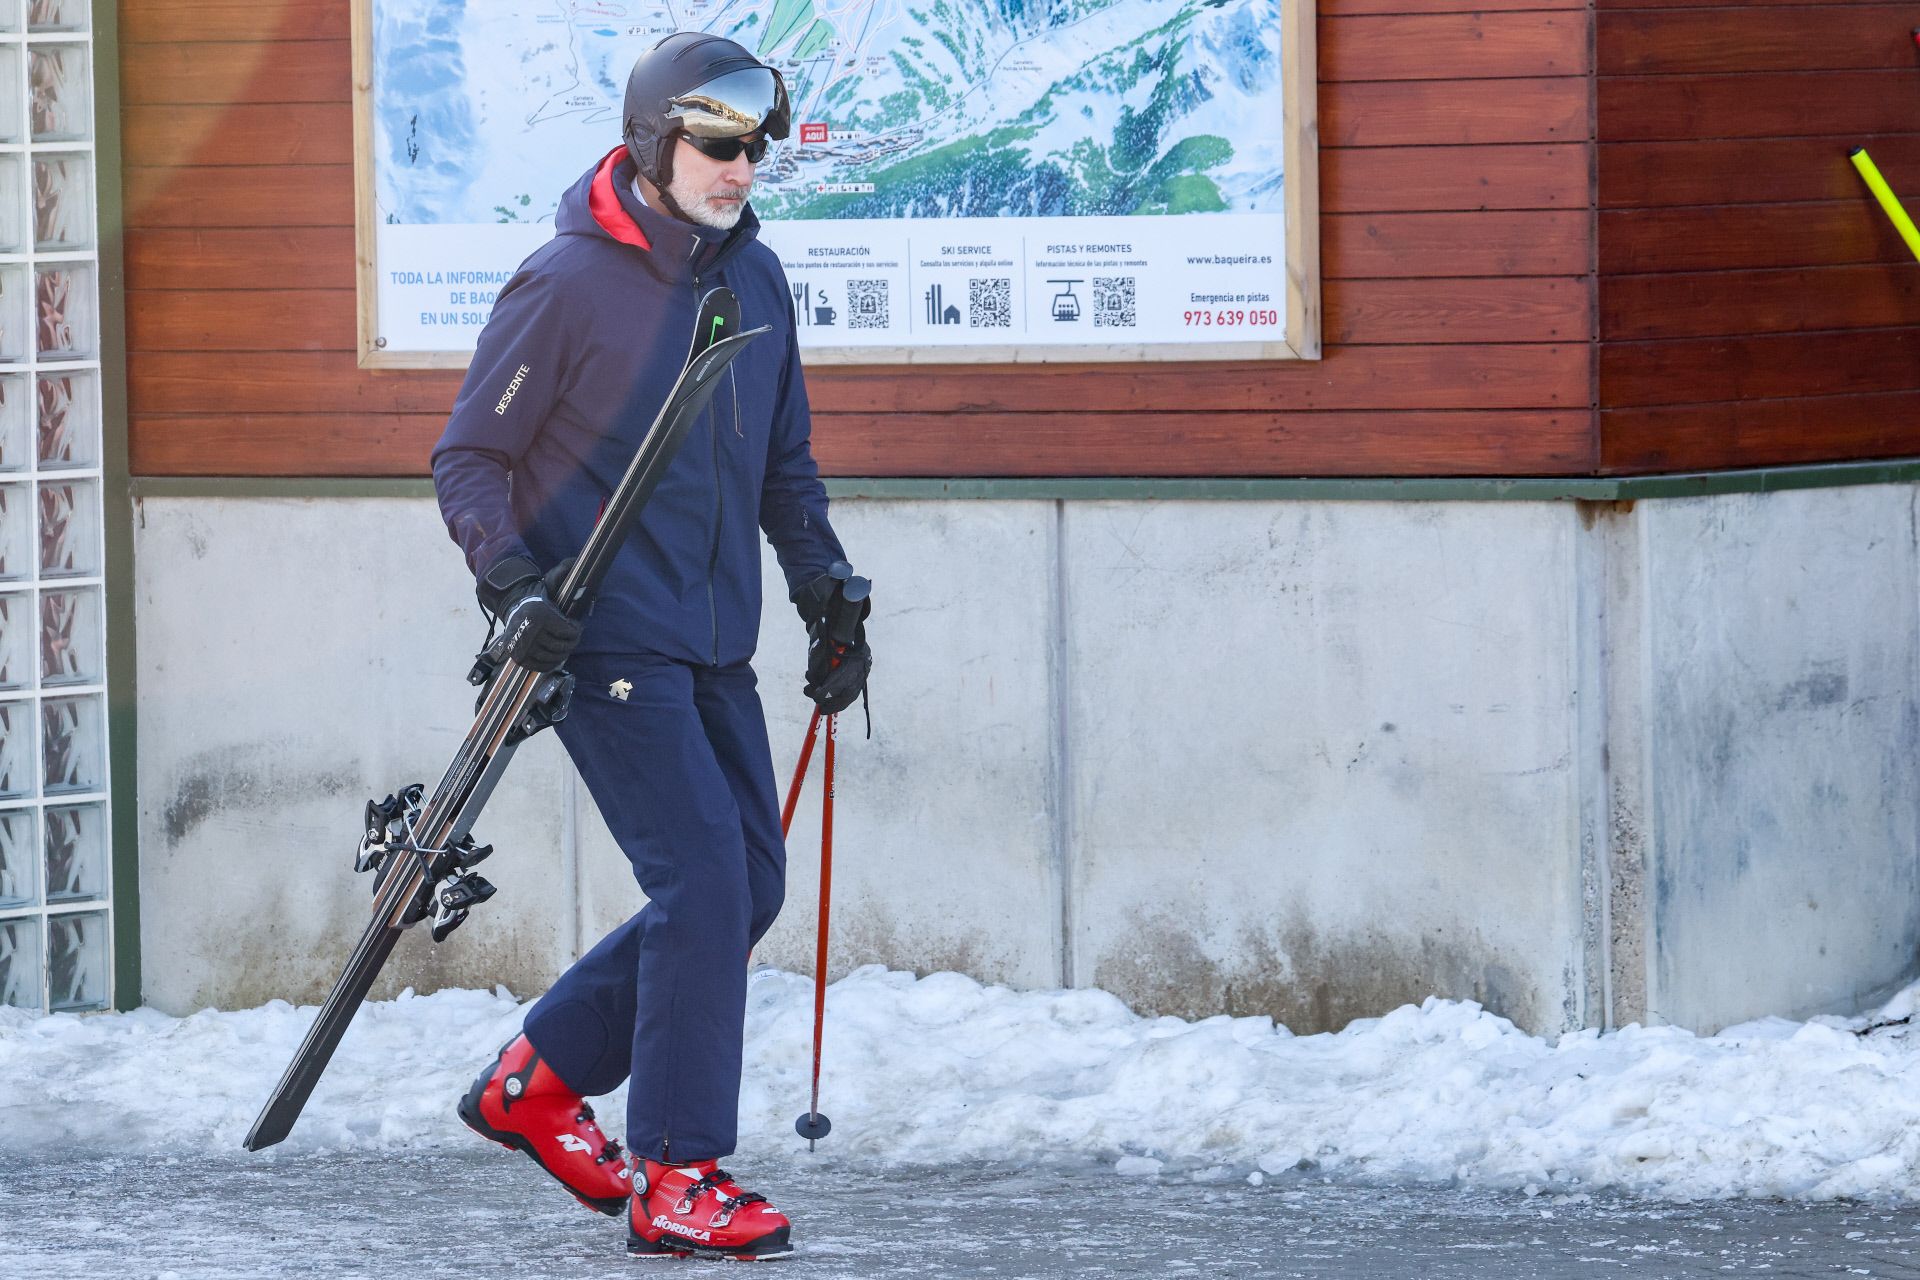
835	606
837	674
534	632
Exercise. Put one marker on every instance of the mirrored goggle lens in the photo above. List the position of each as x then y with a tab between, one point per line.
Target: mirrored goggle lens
724	149
738	102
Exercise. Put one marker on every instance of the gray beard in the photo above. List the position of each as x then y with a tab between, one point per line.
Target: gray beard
694	205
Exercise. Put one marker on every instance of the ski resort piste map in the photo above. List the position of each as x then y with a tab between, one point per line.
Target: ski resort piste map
984	174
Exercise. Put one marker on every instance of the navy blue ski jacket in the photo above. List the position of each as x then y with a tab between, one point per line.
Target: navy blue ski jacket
583	345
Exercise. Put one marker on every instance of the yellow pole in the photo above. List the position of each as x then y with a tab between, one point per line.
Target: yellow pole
1888	201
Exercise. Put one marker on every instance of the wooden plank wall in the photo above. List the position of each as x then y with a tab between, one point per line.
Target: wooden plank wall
1457	248
1755	305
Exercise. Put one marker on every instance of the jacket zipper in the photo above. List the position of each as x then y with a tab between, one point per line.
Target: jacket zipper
719	513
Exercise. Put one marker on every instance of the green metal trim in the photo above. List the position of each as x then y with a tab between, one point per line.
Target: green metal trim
1822	475
1410	489
117	507
1418	489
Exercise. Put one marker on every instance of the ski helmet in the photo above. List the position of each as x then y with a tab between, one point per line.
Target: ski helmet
701	85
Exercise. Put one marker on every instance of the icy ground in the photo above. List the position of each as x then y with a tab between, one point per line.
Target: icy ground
977	1122
480	1213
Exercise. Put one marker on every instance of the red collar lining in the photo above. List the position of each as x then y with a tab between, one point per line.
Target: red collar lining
604	203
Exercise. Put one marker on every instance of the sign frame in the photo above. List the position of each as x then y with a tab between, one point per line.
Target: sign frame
1300	203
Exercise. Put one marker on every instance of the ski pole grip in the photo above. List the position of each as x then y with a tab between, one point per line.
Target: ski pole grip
847	608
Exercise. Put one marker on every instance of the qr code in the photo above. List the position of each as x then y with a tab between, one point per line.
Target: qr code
1113	302
867	305
990	303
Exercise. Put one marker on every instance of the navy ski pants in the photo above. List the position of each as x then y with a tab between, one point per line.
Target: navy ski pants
682	773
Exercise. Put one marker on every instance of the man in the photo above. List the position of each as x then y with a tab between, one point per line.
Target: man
666	727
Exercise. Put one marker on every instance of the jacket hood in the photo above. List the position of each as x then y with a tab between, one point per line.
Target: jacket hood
602	204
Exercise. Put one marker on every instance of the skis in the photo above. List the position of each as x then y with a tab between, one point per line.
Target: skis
421	844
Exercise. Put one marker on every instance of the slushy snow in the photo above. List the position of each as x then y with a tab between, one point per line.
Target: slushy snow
942	1069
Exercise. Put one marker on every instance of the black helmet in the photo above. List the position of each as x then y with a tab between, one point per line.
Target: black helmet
702	85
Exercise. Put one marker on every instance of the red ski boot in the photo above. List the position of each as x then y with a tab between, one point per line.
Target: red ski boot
697	1210
519	1102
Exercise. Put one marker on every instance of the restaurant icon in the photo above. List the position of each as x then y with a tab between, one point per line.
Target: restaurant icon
813	307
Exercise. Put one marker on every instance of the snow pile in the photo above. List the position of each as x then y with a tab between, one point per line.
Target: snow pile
941	1069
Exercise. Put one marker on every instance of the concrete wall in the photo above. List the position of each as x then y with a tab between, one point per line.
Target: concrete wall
1782	737
1321	756
1583	763
297	657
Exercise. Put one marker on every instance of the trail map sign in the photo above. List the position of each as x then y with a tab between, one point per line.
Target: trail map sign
966	179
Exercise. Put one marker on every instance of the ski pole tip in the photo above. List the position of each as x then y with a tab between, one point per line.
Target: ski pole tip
813	1126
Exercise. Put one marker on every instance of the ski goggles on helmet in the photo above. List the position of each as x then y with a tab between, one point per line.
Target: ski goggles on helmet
729	106
724	149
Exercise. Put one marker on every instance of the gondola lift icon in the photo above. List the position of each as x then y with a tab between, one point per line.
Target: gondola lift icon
1065	305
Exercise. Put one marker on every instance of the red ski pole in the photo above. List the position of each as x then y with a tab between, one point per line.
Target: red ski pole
814	1126
799	774
845	608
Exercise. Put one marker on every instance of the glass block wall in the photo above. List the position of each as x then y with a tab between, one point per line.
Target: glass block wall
55	928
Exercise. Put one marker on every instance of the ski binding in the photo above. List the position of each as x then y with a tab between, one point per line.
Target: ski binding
449	886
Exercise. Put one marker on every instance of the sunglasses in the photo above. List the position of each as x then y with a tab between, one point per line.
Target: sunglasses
724	149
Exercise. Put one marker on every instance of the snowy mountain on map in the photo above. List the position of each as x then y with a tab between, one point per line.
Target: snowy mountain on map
953	108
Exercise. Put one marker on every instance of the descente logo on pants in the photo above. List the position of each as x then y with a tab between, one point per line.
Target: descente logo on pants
519	376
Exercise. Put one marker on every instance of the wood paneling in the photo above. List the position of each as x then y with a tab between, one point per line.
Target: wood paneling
1769	367
1454	45
1612	6
1774	171
295	134
1486	309
1703	304
326	444
249	21
229	383
1755	306
1348	8
1512	376
1456	178
243	320
1728	237
1758	433
1337	444
921	444
177	75
239	258
1413	245
1672	41
1399	113
241	196
1752	305
1434	179
1791	104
